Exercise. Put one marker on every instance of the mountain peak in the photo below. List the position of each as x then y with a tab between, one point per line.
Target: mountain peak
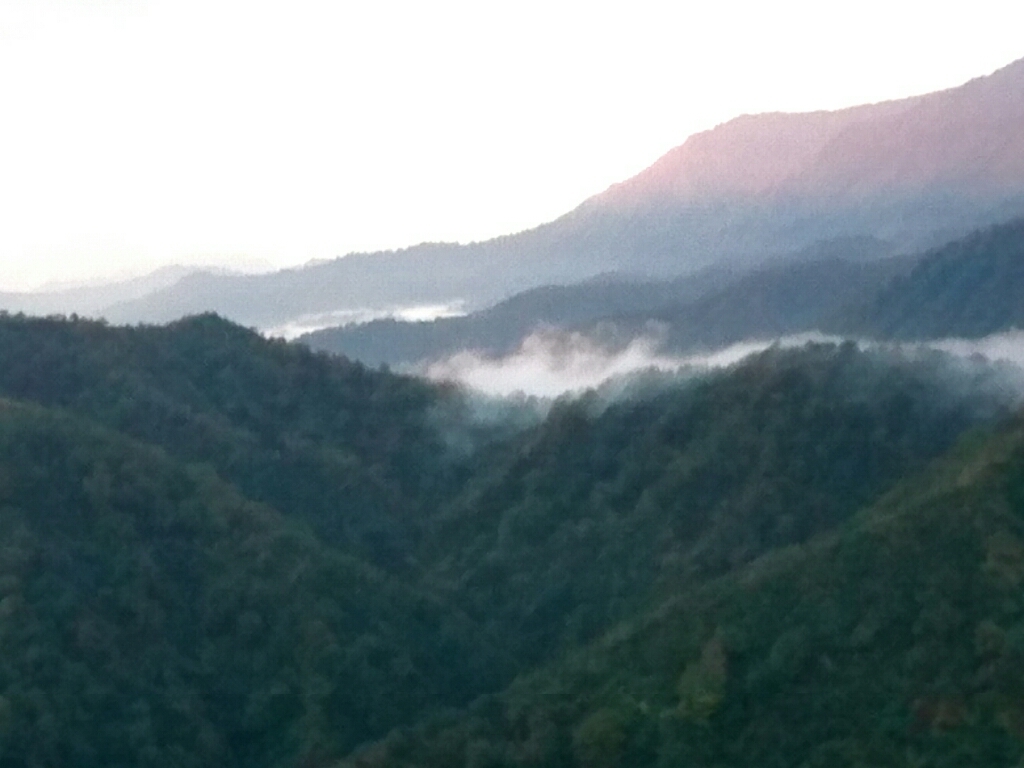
969	135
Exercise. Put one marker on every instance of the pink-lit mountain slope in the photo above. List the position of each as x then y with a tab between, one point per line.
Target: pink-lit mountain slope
968	139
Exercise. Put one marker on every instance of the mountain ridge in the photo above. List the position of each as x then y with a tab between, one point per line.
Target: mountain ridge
811	139
960	148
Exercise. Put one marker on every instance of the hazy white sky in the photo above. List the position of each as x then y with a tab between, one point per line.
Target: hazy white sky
135	133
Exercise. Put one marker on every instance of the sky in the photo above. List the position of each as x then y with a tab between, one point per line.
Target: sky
138	133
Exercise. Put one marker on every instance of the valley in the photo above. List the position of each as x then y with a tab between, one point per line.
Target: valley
723	467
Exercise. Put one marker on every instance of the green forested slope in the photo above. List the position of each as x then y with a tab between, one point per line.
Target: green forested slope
897	640
153	616
221	550
347	449
574	523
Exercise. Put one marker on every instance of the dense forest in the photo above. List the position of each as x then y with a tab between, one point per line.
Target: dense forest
219	549
896	640
349	450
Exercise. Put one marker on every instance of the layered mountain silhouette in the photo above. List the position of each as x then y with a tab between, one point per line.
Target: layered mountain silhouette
912	173
704	311
968	288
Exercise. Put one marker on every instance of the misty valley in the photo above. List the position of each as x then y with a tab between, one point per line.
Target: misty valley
722	469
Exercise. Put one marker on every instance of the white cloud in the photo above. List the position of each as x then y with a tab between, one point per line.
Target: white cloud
553	363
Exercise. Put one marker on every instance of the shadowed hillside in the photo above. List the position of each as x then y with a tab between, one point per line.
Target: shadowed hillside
151	615
970	288
896	639
217	549
349	450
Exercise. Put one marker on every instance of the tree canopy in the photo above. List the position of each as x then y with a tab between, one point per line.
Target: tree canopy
217	549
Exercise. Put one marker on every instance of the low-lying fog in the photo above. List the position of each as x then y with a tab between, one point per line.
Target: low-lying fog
319	321
552	363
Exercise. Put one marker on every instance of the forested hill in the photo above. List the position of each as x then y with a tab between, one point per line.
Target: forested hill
968	288
899	640
151	615
576	524
349	450
217	549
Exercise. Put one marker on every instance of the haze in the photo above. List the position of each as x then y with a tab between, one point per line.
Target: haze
137	134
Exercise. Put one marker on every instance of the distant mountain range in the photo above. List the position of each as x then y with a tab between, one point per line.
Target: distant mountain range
91	299
911	173
500	329
968	288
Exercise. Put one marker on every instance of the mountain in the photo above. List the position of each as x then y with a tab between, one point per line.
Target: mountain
153	615
894	639
710	309
914	173
500	329
572	525
223	549
90	300
959	138
321	439
208	545
775	301
969	288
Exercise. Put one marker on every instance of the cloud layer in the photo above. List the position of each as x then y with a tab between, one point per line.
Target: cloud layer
552	363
